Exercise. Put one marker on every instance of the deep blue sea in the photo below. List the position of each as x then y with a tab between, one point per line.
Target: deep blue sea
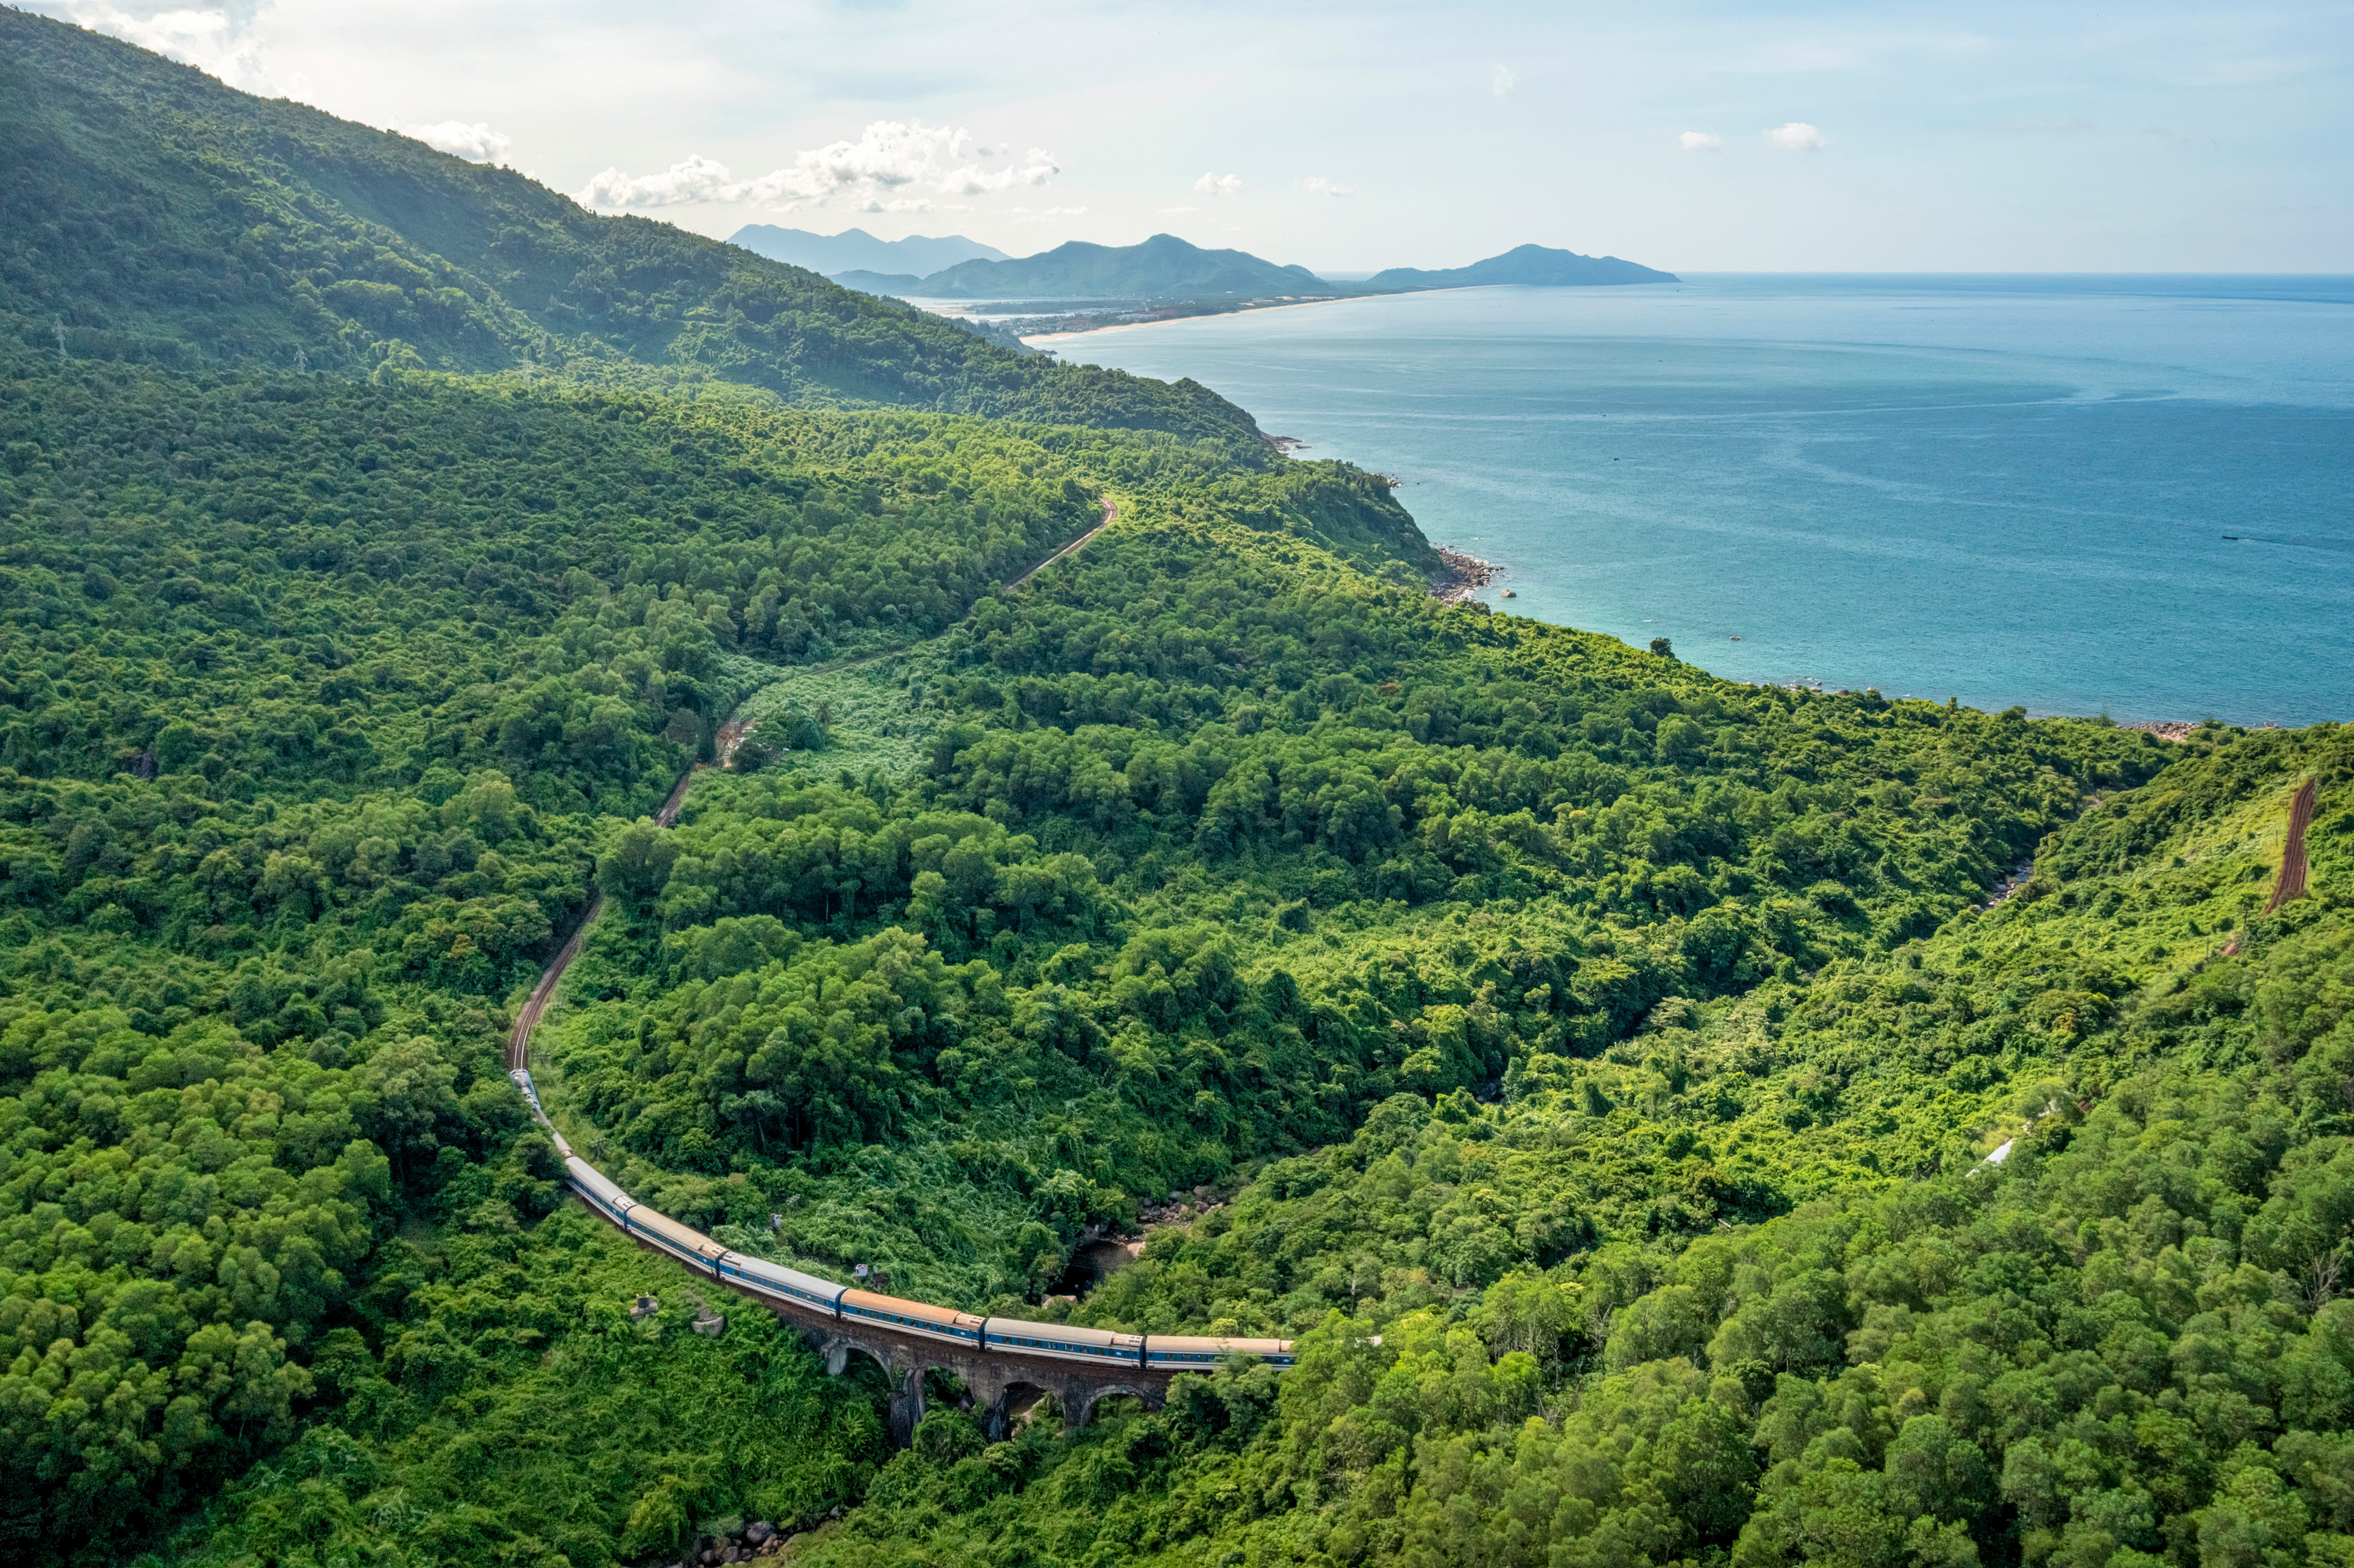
2131	494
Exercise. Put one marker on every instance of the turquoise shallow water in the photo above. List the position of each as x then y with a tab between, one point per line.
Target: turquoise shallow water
2005	490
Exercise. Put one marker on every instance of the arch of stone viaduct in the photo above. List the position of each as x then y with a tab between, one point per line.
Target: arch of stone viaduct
991	1377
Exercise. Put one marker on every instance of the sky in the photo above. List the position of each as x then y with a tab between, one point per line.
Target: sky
1997	136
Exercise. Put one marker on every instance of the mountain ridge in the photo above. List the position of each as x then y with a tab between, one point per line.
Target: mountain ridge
854	249
1165	267
1162	265
895	285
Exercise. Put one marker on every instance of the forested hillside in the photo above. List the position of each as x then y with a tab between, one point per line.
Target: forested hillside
148	213
1629	1086
321	698
1652	1217
2121	1338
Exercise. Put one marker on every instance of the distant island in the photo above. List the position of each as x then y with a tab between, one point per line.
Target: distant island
1163	265
1531	265
1078	286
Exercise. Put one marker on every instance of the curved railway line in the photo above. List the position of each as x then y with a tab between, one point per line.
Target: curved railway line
995	1358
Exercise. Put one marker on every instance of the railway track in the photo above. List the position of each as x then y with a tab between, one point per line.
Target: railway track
1111	510
2289	886
528	1018
992	1357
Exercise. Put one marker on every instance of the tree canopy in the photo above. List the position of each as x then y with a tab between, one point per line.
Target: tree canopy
1682	1122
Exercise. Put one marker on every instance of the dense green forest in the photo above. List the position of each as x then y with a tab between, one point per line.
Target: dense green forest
1682	1122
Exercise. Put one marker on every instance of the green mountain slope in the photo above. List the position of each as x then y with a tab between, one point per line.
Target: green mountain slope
152	214
2119	1338
1238	930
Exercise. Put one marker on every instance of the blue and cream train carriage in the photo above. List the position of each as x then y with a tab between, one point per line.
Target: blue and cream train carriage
1011	1336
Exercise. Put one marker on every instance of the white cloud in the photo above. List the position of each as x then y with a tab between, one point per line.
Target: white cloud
1035	167
1797	136
1502	82
1700	141
697	179
894	167
1218	184
476	143
1173	211
1323	186
218	40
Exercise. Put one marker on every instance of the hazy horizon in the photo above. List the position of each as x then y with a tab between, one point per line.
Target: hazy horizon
1818	137
1358	271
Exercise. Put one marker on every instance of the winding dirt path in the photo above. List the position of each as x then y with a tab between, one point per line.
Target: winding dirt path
528	1018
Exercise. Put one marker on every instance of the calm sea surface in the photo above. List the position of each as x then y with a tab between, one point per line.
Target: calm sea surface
2005	490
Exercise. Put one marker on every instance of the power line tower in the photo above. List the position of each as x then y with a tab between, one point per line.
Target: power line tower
58	326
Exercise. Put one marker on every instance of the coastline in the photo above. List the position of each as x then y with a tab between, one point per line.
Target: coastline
1037	338
2143	700
1466	574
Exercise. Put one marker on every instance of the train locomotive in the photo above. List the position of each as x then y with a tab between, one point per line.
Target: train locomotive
1056	1341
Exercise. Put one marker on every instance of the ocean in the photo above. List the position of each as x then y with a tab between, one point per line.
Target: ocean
2129	495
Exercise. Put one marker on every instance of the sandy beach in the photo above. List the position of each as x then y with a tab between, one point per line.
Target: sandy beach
1247	311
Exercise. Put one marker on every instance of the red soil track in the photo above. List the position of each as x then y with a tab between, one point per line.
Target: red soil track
2290	884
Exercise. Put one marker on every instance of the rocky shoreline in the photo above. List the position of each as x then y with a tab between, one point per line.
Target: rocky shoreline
1466	574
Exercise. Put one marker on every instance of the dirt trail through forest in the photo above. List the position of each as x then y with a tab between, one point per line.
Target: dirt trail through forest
1111	510
730	730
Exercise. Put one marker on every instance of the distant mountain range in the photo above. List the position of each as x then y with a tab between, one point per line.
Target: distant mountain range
1529	264
854	249
1163	267
1167	267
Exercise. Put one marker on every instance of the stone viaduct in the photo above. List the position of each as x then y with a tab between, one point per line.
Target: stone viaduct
991	1377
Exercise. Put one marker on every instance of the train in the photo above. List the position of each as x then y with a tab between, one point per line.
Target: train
846	1304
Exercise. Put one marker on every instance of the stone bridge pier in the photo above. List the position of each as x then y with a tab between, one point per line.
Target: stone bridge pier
991	1377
